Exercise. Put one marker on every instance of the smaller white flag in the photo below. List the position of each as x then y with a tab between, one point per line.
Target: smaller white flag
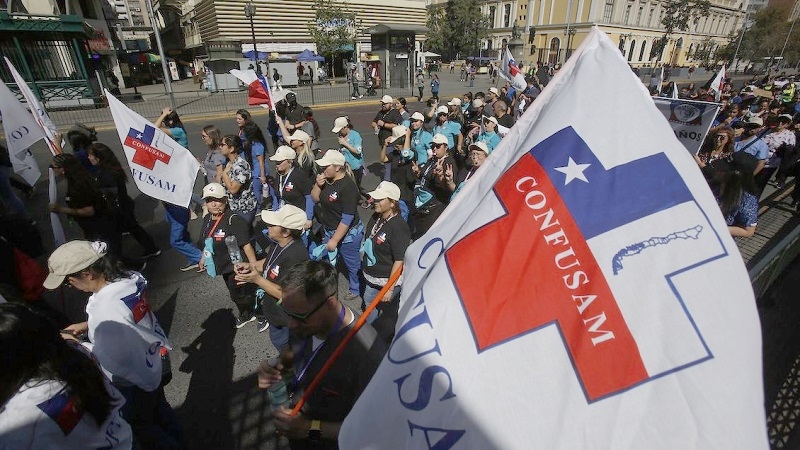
674	91
55	220
510	72
161	167
20	129
660	80
24	165
49	129
718	84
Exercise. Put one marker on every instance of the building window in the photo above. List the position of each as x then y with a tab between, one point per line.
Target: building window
608	10
492	11
507	16
632	48
641	51
650	17
627	14
555	44
639	15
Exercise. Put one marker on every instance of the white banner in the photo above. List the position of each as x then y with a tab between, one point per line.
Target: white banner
510	72
36	108
581	292
19	126
161	167
25	165
689	119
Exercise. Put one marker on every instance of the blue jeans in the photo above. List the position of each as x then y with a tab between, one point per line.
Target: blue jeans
279	337
370	292
350	253
178	234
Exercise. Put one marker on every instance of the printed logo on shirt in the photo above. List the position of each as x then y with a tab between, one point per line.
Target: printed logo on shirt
333	196
219	235
63	409
289	187
274	271
137	303
381	238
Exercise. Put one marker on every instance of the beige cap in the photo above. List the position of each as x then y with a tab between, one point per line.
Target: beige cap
442	110
754	120
339	123
494	91
332	157
491	119
387	99
455	102
385	189
283	153
299	135
477	103
418	116
287	216
440	139
214	190
481	146
70	258
398	132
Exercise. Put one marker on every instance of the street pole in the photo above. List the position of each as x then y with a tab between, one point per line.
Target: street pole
787	38
250	12
739	44
167	79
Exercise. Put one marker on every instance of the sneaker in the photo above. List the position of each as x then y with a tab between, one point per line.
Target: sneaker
351	297
152	254
189	267
352	98
262	325
244	320
360	96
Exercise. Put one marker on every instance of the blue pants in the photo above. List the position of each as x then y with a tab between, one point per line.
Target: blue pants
349	251
179	236
279	337
370	292
258	191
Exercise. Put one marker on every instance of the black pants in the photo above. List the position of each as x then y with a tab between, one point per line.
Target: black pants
423	221
762	178
126	221
243	296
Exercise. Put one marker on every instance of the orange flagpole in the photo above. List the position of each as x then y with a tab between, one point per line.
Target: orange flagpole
359	323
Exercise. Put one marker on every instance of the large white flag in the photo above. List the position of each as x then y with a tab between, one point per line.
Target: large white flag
581	292
510	72
718	83
161	167
37	109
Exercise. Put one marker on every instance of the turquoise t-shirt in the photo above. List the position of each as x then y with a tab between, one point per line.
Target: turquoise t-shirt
491	139
179	135
450	130
257	150
354	139
421	142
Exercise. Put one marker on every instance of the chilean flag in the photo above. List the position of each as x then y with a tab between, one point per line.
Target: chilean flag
718	83
64	410
510	71
258	91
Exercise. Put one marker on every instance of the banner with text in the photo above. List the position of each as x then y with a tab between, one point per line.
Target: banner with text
690	120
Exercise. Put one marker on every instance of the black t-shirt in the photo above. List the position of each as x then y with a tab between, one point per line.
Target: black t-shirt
430	182
230	225
403	177
278	261
97	226
507	120
335	199
292	189
391	116
294	114
390	239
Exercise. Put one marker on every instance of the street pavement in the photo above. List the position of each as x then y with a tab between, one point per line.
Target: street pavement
214	386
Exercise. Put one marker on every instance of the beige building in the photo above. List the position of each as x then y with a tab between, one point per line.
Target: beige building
552	29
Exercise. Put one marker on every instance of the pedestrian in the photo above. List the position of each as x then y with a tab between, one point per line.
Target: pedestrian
170	123
40	369
178	218
435	87
300	142
214	161
319	322
420	84
310	73
355	79
292	187
472	72
254	146
276	78
452	66
237	177
351	145
219	226
420	138
398	154
124	336
431	195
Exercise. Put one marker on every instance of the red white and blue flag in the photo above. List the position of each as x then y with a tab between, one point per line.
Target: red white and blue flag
509	70
581	291
64	410
258	90
161	167
718	83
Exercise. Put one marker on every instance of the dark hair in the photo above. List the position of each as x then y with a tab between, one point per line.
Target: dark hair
34	350
233	141
107	160
251	133
173	121
78	178
109	267
308	114
734	178
245	115
216	136
480	95
316	278
78	140
402	101
295	234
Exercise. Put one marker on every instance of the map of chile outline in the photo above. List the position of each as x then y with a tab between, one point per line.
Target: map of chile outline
551	201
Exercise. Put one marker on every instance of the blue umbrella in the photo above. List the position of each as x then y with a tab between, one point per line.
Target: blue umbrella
308	55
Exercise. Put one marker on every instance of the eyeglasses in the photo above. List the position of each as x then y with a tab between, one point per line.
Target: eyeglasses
721	136
302	318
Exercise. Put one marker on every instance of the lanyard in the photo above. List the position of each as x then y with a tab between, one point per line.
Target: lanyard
214	227
274	258
379	225
283	181
335	329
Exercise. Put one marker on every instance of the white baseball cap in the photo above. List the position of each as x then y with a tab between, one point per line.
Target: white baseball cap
299	135
331	158
494	91
213	190
398	132
385	189
70	258
455	102
442	110
418	116
477	103
387	99
288	216
339	123
283	153
481	146
440	139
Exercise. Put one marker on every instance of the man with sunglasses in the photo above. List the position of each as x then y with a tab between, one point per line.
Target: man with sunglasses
318	322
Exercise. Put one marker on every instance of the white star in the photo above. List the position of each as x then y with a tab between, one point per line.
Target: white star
139	136
573	171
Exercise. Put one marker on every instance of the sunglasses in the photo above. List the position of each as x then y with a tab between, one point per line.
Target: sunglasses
302	318
721	136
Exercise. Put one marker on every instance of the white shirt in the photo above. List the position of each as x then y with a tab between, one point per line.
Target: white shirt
125	335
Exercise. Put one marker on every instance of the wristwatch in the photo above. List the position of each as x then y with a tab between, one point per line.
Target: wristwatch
315	431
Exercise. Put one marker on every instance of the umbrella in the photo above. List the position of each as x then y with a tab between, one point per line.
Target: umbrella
261	55
308	55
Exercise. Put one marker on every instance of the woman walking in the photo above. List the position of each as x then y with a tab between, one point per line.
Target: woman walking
236	178
254	147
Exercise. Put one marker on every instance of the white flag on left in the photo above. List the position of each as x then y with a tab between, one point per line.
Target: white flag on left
510	71
161	167
37	109
21	132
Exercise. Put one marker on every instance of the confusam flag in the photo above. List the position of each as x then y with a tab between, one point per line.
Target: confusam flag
581	292
36	109
21	133
161	167
258	92
510	72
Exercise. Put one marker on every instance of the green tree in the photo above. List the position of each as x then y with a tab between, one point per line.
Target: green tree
333	27
679	15
457	28
766	36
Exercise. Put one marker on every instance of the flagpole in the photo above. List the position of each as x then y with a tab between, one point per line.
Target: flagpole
340	348
167	80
